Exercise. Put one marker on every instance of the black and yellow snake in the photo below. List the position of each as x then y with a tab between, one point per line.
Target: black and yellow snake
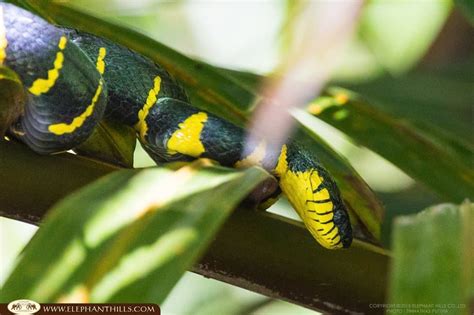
74	79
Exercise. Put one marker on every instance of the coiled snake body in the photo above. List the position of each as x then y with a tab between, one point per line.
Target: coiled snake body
74	79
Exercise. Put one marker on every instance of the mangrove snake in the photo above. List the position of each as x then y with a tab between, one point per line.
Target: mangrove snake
73	80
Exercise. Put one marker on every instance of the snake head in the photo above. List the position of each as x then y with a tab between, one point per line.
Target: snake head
315	196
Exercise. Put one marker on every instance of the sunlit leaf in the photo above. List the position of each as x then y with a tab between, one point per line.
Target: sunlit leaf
129	236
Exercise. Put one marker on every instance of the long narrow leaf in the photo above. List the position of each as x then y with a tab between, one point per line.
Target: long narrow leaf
402	144
129	236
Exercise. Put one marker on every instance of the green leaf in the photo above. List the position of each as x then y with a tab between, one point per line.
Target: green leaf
129	236
440	163
440	98
12	98
110	142
213	90
433	260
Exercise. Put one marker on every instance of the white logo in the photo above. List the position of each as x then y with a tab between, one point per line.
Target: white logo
23	307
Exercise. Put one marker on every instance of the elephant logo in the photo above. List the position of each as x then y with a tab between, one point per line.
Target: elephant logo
23	307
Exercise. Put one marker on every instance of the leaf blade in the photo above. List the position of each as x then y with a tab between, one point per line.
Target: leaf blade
402	144
431	245
100	225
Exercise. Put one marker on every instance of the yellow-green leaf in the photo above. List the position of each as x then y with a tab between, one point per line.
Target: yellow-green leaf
129	236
